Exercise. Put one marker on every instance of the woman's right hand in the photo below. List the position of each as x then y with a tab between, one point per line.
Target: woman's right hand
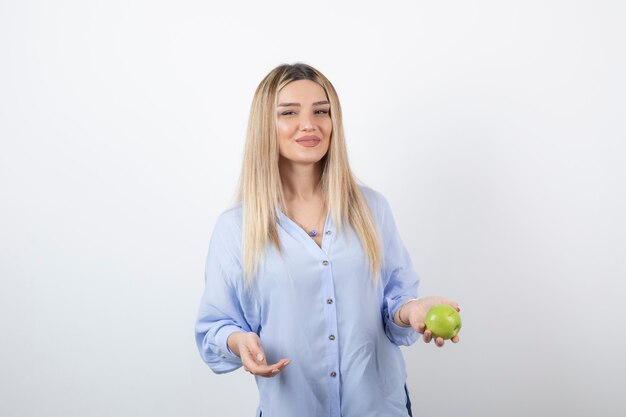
247	346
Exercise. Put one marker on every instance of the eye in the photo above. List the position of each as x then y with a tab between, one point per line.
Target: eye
288	113
322	111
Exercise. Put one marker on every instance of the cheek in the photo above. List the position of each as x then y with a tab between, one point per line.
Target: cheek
284	130
284	133
328	127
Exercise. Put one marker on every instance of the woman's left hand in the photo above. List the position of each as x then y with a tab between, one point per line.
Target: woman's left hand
414	312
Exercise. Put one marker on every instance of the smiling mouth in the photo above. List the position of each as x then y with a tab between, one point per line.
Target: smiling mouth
309	141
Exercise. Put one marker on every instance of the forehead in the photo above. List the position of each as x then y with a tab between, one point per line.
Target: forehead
302	91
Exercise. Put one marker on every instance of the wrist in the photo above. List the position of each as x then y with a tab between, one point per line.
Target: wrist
233	342
402	316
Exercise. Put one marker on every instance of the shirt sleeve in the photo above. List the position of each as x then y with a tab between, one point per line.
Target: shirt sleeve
220	313
399	278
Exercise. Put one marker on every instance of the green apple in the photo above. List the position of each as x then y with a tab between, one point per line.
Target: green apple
443	320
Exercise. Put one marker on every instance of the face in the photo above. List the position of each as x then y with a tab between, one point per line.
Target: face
304	123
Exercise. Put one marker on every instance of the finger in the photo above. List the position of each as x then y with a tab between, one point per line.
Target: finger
453	304
455	339
268	371
283	362
248	361
428	336
258	369
251	365
255	352
258	353
439	341
250	356
279	367
420	328
263	370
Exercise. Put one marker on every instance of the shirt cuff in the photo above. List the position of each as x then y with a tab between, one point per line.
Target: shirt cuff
221	340
400	335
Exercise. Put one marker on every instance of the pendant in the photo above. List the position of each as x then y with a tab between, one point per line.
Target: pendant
313	233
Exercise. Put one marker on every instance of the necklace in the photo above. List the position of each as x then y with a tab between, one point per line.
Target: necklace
312	232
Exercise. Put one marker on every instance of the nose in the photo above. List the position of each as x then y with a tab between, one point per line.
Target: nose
306	123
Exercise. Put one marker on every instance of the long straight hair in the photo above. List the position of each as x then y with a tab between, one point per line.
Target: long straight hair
260	185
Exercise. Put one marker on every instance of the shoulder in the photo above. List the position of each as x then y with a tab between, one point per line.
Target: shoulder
230	220
227	236
376	201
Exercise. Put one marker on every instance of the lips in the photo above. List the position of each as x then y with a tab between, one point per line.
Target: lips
308	141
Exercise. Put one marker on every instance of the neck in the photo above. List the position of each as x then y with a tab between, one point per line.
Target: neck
300	182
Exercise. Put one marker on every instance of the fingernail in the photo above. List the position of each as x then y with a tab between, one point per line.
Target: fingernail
259	357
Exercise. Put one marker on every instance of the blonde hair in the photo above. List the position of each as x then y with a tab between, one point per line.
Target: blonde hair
260	186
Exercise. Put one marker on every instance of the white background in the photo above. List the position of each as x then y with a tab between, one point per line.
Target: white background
494	128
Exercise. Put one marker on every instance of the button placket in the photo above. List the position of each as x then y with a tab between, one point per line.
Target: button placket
331	359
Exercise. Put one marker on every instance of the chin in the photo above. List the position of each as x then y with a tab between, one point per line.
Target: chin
312	159
304	159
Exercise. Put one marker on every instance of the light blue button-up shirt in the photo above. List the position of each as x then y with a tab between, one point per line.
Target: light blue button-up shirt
318	307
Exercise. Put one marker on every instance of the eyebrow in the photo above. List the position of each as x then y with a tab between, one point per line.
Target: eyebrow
317	103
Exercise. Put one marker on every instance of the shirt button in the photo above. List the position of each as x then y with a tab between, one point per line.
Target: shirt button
333	374
328	232
329	301
331	337
325	263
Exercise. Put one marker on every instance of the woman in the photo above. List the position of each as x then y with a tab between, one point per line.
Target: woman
308	285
